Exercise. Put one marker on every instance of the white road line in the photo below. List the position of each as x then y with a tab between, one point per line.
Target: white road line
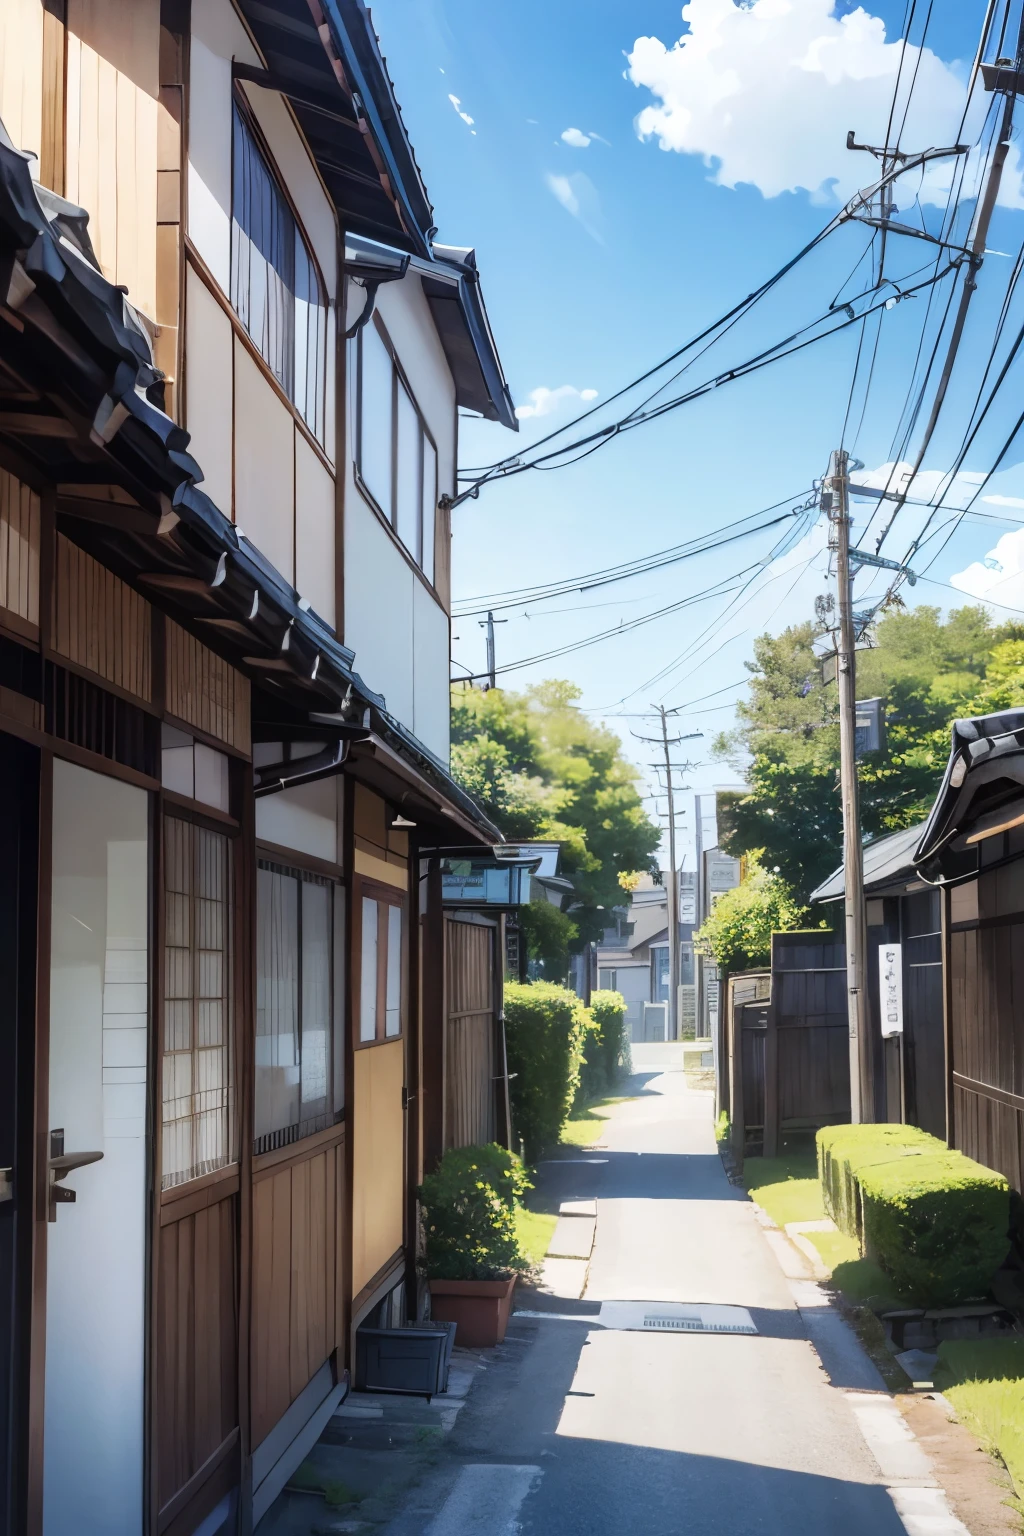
485	1501
924	1512
890	1439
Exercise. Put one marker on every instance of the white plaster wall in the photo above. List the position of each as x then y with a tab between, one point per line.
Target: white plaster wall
431	650
208	388
394	624
304	818
264	465
314	530
378	607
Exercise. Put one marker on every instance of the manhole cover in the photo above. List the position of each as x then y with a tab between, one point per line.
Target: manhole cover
675	1317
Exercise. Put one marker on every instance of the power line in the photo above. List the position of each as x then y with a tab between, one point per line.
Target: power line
516	597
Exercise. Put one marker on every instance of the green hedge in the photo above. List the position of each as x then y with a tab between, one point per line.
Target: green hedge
606	1048
935	1221
545	1029
844	1149
468	1207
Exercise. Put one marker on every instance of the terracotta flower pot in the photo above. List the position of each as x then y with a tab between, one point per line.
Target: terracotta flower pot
479	1308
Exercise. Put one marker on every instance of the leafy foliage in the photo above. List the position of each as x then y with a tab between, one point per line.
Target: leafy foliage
549	934
469	1214
541	769
737	932
545	1029
928	672
607	1044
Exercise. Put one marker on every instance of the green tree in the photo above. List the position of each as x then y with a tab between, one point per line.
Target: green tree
541	769
786	744
737	933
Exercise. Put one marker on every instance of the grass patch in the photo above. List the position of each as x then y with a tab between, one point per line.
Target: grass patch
787	1187
534	1230
587	1121
984	1380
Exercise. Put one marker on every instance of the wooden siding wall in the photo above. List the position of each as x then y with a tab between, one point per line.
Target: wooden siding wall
469	1034
809	1008
296	1291
113	89
378	1173
21	72
986	1035
204	691
19	551
197	1342
99	623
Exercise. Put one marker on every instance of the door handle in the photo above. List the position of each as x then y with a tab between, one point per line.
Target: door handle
62	1163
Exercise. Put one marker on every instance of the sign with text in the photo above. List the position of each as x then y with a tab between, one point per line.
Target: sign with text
890	988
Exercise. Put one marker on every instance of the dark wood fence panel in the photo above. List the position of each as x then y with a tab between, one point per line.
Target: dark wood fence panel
197	1343
814	1073
296	1276
986	1034
811	1083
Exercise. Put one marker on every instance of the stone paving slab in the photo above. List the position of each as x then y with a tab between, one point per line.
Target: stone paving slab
573	1238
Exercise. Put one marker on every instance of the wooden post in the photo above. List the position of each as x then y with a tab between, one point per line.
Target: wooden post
771	1084
738	1128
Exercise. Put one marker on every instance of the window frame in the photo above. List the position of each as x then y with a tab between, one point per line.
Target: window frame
399	381
175	807
389	897
280	861
317	430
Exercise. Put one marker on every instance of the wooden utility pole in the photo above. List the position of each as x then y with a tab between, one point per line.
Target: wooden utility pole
861	1076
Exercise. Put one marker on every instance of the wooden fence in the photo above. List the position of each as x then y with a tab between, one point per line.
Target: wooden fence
788	1051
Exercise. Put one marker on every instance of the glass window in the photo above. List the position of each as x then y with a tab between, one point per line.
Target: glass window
393	1006
276	290
376	411
198	1071
381	999
298	1005
396	460
368	972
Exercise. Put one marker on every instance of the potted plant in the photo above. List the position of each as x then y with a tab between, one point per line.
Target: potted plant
472	1255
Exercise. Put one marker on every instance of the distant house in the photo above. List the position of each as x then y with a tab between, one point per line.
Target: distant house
632	957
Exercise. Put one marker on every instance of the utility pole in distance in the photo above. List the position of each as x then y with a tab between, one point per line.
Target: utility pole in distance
672	893
835	501
488	624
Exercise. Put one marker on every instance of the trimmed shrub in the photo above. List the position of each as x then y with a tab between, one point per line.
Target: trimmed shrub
937	1225
935	1221
606	1047
545	1029
468	1209
844	1149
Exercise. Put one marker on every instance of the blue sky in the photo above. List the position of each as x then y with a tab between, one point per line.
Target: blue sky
622	190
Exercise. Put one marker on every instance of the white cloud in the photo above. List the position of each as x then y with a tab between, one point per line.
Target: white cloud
457	104
576	138
999	578
578	196
766	91
545	402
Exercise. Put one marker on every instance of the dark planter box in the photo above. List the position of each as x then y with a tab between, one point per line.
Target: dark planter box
414	1360
480	1308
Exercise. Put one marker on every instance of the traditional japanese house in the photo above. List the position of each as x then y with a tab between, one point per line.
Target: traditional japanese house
972	852
231	362
907	1039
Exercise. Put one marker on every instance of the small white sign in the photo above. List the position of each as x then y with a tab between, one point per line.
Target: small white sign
890	988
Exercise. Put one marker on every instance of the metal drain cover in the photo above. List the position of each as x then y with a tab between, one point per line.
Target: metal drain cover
675	1317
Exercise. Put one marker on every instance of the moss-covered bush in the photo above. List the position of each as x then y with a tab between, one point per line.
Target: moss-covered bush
468	1208
545	1030
935	1221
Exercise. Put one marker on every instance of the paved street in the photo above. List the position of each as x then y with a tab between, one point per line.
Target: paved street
580	1429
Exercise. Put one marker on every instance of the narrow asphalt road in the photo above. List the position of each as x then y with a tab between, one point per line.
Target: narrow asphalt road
576	1428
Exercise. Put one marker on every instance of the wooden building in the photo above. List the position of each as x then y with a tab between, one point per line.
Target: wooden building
231	361
904	927
972	852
